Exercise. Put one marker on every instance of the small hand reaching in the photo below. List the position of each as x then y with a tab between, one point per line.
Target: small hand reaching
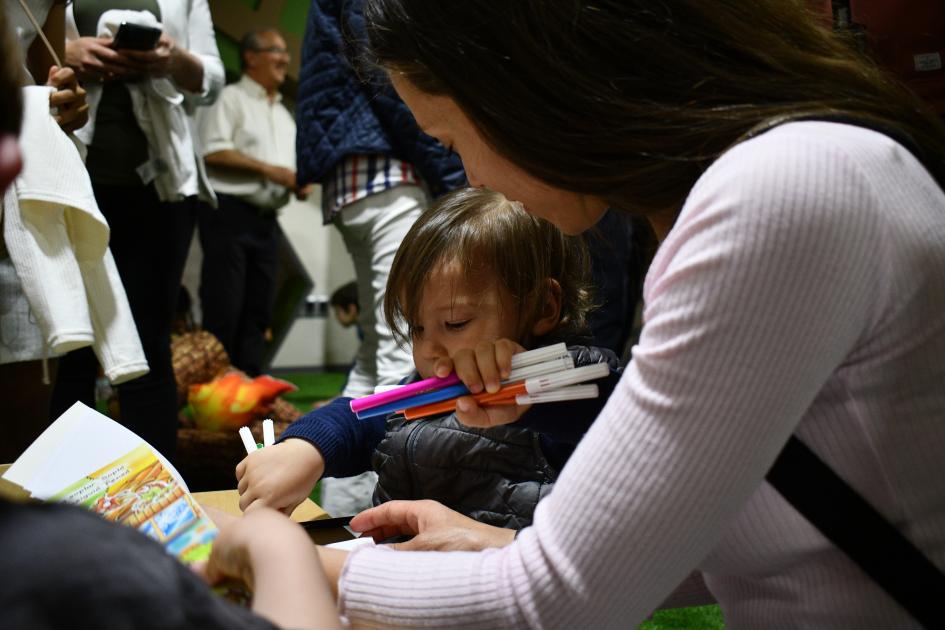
279	476
277	560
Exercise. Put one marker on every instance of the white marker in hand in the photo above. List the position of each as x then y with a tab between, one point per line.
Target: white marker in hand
269	433
248	442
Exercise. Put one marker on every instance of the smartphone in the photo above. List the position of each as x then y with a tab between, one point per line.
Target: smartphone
136	37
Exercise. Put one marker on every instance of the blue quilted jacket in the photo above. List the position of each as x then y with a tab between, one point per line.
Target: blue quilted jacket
337	114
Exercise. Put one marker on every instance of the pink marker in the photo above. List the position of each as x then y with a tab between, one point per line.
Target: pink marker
520	360
406	391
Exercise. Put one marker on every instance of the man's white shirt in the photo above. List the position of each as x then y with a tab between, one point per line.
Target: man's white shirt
245	120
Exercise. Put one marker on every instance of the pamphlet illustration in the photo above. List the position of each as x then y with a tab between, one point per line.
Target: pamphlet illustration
139	491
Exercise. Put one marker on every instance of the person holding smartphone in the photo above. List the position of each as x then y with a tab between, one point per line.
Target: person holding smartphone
146	177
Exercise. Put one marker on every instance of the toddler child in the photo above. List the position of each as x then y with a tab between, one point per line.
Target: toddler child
474	269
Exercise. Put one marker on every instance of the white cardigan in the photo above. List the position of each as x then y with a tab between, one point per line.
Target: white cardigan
58	242
176	165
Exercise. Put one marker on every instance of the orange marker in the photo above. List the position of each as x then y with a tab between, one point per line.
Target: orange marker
509	392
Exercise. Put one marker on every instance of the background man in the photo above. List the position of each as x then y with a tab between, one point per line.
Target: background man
249	146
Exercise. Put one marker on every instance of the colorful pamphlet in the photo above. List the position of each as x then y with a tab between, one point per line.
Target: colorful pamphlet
87	459
138	491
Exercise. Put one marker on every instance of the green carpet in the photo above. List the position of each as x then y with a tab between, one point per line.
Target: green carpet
696	618
313	386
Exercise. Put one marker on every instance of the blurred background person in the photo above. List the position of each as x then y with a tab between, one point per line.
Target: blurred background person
248	139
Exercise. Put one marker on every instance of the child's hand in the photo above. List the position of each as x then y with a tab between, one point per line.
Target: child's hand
277	560
483	369
279	476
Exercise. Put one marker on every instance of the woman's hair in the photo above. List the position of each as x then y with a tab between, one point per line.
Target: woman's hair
631	100
491	240
10	106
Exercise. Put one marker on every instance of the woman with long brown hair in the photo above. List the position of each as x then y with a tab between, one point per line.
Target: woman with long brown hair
798	290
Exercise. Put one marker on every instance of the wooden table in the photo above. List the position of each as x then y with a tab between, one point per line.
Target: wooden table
308	510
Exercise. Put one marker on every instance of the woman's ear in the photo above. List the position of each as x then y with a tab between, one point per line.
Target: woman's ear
549	313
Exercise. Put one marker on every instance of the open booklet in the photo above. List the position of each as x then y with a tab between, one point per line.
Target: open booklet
89	460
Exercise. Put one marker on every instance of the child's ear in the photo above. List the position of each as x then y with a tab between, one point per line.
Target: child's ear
549	314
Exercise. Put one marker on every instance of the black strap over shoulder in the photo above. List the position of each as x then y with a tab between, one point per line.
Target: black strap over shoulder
836	509
862	533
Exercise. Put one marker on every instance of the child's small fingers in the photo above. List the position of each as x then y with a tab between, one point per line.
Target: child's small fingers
466	367
443	367
243	484
471	414
488	368
248	499
505	349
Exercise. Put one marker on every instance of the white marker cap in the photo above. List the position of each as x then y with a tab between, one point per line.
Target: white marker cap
248	442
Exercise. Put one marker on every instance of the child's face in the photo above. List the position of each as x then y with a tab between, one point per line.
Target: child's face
346	315
455	316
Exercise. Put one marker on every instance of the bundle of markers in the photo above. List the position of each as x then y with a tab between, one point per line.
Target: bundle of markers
538	376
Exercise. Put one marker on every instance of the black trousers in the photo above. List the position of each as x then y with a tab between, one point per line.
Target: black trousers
238	279
149	240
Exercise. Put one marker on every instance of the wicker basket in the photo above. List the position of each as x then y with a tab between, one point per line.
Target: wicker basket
207	459
197	357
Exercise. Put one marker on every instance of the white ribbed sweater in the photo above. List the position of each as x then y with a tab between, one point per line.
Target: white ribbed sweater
801	289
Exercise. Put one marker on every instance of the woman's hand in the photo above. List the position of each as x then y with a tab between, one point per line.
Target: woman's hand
167	59
93	59
483	369
157	62
434	527
277	560
279	476
72	112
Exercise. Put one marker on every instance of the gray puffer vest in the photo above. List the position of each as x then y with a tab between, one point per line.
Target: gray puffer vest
496	476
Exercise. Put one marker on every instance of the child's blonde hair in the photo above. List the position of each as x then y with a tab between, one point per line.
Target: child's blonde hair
491	239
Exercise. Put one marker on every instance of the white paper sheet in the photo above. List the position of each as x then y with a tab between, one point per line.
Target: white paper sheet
80	442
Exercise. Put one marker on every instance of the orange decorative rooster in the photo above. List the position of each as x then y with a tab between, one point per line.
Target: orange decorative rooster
234	400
